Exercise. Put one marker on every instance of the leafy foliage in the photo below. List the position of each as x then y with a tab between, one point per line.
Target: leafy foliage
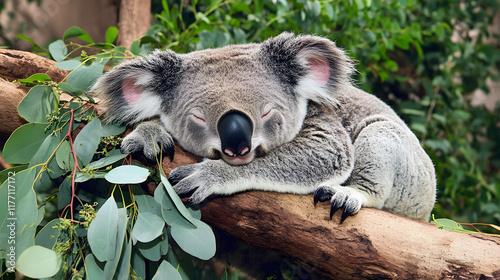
99	224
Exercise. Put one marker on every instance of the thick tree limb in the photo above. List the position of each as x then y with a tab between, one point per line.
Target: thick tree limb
372	244
19	65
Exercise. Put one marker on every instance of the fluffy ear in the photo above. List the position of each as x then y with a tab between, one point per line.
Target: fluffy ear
313	65
140	88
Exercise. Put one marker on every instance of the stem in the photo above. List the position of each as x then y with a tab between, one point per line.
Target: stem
73	183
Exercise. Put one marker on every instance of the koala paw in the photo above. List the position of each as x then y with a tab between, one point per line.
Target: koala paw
341	197
150	139
200	180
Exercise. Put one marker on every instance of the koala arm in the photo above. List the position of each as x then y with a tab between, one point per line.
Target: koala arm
321	152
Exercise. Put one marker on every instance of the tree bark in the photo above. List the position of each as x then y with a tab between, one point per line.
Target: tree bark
19	65
372	244
134	19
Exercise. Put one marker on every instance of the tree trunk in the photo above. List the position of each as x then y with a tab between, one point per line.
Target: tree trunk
372	244
134	20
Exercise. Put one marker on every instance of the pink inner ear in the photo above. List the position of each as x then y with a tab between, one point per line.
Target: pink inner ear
320	69
130	91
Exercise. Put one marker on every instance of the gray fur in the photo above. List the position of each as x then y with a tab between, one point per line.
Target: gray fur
321	133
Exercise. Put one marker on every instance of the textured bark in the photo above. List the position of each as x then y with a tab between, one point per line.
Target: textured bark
19	65
11	95
370	245
133	21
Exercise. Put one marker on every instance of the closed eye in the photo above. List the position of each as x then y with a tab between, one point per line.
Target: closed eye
199	119
266	114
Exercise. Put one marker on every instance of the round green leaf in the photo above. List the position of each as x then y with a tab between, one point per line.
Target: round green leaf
48	235
68	64
198	242
85	76
87	141
76	31
147	227
111	34
103	162
179	205
103	230
58	50
93	269
166	271
38	262
127	174
112	129
37	104
24	143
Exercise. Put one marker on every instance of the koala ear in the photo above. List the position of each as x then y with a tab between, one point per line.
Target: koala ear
313	65
137	89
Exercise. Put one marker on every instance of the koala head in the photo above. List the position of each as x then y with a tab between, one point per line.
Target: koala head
234	103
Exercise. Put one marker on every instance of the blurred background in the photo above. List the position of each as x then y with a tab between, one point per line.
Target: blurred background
435	62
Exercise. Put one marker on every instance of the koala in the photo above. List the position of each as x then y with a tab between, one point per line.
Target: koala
282	116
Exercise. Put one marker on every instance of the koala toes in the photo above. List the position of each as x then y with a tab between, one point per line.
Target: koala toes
341	197
149	143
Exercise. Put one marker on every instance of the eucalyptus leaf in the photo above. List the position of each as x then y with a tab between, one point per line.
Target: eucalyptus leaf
166	271
58	50
148	226
84	177
68	65
198	242
5	174
85	76
169	212
127	174
111	34
37	104
46	151
105	161
18	189
138	264
179	205
93	269
64	195
35	78
38	262
77	32
110	269
87	141
48	235
64	157
112	129
103	230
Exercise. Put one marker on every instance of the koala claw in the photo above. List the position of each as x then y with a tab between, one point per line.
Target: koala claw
340	197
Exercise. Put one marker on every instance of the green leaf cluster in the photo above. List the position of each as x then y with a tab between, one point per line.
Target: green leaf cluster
79	208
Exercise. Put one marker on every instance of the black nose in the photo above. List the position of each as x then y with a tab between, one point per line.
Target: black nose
235	133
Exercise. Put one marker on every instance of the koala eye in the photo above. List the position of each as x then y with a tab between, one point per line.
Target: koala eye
199	119
267	114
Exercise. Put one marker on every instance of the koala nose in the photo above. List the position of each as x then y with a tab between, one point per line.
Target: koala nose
235	133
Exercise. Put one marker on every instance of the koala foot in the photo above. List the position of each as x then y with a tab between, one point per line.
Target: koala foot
149	138
340	197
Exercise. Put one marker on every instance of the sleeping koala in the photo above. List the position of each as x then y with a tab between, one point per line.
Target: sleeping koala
277	116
